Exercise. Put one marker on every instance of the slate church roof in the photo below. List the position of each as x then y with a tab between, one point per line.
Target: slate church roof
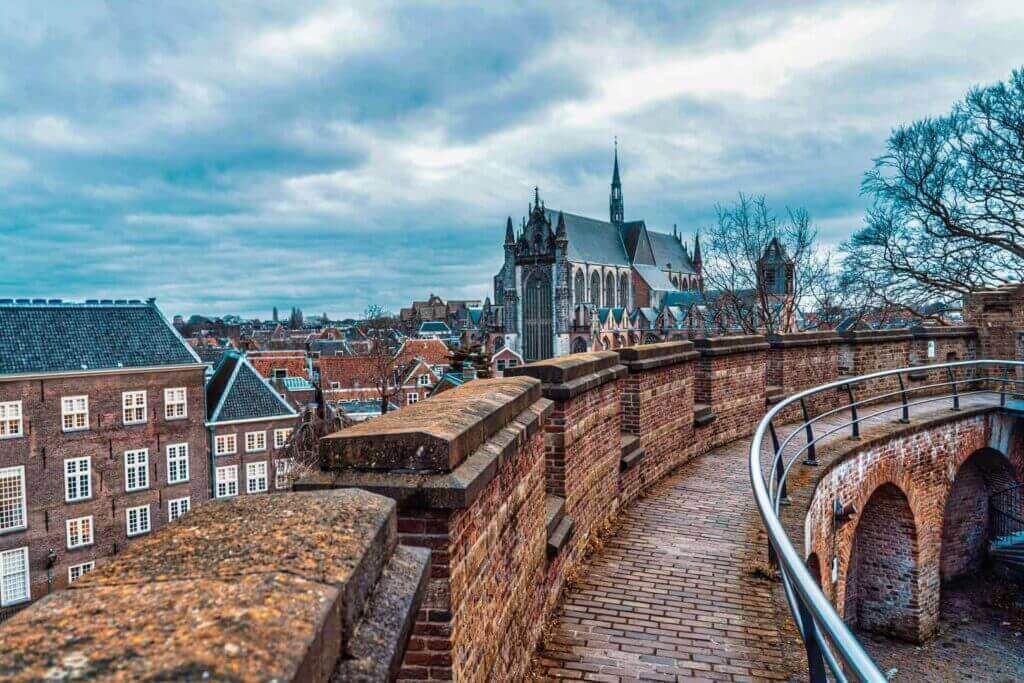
602	242
50	336
238	392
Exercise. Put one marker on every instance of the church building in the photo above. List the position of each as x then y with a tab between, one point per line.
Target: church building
562	271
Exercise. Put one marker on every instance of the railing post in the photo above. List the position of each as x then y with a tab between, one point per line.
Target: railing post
905	415
815	662
1002	389
952	383
812	458
854	422
779	465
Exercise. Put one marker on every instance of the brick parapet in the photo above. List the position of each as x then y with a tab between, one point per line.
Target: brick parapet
656	399
797	362
730	378
317	585
476	623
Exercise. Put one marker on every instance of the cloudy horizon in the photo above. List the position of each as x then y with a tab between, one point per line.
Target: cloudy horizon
228	159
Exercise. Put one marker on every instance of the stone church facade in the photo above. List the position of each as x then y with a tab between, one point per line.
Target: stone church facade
565	276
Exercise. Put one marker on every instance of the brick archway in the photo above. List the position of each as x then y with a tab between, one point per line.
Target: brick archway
814	567
965	519
883	571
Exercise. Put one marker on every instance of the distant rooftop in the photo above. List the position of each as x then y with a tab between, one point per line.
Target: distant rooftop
238	392
52	336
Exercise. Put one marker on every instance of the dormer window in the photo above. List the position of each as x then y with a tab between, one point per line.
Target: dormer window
279	373
423	380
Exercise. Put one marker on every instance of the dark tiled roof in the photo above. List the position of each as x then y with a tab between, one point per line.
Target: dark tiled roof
38	338
237	392
667	249
656	279
592	240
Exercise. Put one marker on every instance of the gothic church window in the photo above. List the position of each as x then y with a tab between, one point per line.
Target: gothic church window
609	290
595	288
579	288
623	290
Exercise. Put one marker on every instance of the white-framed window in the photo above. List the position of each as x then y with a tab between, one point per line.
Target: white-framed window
136	470
282	469
438	369
74	413
137	520
177	507
335	385
14	580
281	436
512	362
10	420
412	397
256	477
77	482
77	571
255	441
226	479
79	532
423	380
279	373
133	407
177	463
225	444
175	403
501	365
12	498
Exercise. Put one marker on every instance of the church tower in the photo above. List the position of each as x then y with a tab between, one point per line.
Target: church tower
615	209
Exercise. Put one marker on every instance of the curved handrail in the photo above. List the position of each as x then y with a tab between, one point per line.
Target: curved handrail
817	621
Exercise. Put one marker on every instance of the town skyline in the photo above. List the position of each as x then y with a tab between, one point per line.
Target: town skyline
247	165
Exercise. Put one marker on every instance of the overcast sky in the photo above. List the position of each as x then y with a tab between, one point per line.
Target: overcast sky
227	159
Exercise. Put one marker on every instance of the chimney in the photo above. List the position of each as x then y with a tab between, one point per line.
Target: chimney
468	371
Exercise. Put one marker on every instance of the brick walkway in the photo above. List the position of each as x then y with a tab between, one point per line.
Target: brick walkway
672	596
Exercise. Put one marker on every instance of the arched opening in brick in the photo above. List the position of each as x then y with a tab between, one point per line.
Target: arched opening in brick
814	567
882	575
965	523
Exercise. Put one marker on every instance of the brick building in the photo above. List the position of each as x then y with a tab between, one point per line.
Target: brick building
101	437
249	424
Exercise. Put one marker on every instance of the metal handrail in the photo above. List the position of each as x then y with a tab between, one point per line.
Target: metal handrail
828	640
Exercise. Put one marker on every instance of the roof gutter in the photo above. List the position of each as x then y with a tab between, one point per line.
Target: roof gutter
100	371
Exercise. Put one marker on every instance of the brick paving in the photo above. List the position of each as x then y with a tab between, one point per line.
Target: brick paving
672	597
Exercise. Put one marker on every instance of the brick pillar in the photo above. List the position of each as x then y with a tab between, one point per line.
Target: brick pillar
583	441
729	388
657	411
998	314
935	344
467	470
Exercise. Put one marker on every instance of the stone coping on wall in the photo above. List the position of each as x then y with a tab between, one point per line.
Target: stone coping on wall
277	584
651	356
728	346
438	490
435	435
796	339
943	332
566	377
876	336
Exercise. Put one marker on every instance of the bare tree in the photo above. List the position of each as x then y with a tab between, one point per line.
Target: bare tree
948	204
378	325
742	296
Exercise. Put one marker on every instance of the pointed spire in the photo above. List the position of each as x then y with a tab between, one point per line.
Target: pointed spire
560	233
510	235
696	249
615	170
536	196
616	211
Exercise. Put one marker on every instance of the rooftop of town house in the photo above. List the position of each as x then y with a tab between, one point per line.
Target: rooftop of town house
236	391
42	336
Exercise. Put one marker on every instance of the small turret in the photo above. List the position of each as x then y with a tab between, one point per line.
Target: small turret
510	235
